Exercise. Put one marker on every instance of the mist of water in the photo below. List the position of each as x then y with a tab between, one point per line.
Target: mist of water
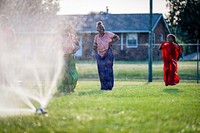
30	66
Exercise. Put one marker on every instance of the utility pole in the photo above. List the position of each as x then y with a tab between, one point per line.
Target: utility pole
150	44
197	61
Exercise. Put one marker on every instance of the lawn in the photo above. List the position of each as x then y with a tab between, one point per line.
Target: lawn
138	71
133	106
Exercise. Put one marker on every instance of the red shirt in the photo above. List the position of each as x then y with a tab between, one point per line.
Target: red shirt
170	51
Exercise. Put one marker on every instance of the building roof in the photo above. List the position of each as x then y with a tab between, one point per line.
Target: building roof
118	23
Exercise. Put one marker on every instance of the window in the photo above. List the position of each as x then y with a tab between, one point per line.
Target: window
161	37
131	40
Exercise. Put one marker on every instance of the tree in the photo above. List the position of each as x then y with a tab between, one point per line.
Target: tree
183	19
28	7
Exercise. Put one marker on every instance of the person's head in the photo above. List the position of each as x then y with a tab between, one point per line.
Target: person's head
171	38
100	27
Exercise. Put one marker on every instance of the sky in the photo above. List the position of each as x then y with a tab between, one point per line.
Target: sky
115	6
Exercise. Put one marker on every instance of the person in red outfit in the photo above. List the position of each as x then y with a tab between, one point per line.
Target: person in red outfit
170	55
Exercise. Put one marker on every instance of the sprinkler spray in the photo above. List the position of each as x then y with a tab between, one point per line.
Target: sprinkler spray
40	110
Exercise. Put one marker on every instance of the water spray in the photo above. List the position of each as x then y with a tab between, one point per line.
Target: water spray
36	81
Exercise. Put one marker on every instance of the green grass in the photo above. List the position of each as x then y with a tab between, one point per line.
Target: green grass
133	106
138	71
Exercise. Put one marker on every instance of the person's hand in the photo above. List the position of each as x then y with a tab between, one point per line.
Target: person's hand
74	51
110	44
95	47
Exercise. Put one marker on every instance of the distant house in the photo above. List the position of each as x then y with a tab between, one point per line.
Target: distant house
133	30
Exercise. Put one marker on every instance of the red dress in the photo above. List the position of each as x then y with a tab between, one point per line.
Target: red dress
170	54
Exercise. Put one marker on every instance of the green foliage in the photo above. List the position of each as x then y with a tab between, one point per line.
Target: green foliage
183	19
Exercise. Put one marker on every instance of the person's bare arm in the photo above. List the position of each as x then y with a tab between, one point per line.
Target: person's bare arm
76	46
95	47
114	39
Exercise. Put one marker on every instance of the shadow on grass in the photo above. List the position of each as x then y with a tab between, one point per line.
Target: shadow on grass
172	91
92	92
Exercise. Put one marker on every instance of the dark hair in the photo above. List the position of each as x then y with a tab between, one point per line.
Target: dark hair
100	23
172	36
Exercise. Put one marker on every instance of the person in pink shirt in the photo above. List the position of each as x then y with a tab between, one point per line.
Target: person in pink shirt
103	48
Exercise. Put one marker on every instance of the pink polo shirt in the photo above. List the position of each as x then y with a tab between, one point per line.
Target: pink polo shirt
69	44
103	42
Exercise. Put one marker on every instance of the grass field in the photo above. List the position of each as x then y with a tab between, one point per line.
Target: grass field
138	71
133	106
